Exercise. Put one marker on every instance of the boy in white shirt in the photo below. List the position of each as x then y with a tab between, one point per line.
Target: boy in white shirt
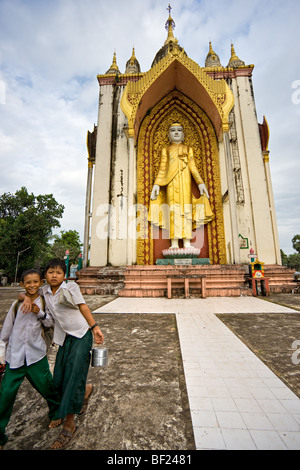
25	354
73	328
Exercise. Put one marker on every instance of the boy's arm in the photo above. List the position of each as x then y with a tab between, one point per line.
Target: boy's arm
7	326
85	311
2	352
26	302
45	317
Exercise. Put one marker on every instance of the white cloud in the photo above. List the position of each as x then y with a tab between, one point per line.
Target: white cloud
51	53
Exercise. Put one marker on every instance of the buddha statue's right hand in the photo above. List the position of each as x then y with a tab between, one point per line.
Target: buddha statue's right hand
155	192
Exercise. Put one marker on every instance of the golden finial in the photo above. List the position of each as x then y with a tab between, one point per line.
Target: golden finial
114	67
212	59
114	63
234	61
132	65
132	58
212	52
233	54
170	25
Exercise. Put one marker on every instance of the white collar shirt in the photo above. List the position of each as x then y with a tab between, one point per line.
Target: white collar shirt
66	320
22	335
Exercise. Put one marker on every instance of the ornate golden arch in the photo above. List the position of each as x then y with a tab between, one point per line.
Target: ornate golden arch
199	133
177	71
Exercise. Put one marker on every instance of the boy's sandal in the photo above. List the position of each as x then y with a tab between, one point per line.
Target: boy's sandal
64	438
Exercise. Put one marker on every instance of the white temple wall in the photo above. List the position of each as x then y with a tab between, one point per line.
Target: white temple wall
117	254
132	197
101	190
245	214
225	202
255	214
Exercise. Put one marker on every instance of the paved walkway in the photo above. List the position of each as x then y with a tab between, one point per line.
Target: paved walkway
236	401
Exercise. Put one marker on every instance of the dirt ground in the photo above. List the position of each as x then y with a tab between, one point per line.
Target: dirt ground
140	400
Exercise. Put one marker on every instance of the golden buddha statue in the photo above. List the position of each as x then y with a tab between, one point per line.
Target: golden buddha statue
173	206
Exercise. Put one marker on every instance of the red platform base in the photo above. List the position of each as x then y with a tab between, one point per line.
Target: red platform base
152	281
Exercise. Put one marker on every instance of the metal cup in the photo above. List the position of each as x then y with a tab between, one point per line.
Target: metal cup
99	357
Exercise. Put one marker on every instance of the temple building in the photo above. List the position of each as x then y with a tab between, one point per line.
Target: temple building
223	152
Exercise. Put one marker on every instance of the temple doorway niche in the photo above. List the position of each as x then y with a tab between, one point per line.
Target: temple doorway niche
200	135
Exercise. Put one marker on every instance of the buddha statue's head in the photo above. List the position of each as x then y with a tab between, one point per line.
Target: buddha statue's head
176	134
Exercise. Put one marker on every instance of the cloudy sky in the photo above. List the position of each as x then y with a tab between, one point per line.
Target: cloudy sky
52	50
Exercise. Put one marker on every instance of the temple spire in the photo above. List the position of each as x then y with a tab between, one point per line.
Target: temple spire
170	26
212	59
132	65
133	58
114	67
211	51
233	54
234	59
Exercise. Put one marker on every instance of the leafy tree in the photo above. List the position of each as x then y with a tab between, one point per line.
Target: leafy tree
284	258
26	223
68	240
296	243
294	261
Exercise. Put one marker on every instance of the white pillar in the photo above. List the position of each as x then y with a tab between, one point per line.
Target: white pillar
132	185
102	177
272	209
258	191
88	197
235	250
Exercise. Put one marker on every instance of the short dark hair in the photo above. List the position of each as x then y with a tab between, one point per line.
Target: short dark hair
55	263
31	271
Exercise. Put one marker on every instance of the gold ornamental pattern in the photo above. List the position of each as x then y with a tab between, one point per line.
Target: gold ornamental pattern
218	90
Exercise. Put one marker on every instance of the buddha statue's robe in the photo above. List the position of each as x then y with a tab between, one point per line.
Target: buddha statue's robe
176	209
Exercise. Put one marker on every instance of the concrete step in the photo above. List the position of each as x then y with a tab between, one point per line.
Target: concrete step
151	281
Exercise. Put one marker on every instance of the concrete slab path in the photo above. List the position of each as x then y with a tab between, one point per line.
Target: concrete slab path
236	401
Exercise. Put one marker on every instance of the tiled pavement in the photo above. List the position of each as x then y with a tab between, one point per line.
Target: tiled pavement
236	401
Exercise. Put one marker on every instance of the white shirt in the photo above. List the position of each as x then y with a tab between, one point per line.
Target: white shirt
23	336
67	320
